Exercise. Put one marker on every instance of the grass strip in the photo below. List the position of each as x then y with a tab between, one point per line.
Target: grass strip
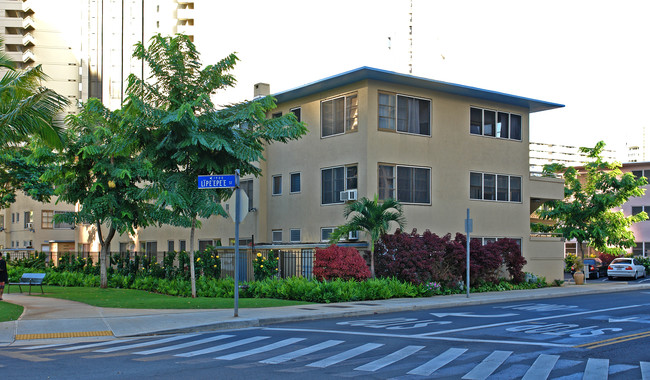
140	299
9	311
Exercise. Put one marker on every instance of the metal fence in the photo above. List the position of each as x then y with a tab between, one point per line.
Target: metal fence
293	260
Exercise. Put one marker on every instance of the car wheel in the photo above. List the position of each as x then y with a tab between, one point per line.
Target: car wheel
610	278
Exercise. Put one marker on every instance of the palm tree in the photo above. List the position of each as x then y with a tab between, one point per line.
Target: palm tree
372	217
27	108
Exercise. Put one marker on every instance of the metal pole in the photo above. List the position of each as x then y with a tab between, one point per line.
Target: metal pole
237	206
468	230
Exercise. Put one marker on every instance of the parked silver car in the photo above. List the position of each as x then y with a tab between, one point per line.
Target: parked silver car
625	267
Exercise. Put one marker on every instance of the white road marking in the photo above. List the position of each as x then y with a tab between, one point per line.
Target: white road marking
258	350
389	359
222	347
438	362
472	315
43	346
184	345
488	365
447	339
149	343
344	355
91	345
645	370
302	352
527	320
596	369
541	368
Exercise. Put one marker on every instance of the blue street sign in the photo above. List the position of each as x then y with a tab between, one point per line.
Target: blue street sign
217	181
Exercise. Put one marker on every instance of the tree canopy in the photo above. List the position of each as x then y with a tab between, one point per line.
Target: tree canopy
372	217
589	211
184	135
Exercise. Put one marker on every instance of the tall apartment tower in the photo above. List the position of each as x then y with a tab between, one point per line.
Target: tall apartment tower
85	47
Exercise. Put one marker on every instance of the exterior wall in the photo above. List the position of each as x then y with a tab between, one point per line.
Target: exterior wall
641	230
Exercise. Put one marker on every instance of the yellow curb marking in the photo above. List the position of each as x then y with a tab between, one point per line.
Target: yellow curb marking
63	335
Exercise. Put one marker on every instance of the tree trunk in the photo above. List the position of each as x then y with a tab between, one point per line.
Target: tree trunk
192	277
104	255
372	258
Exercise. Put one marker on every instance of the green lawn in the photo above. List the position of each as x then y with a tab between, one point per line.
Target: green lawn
9	311
139	299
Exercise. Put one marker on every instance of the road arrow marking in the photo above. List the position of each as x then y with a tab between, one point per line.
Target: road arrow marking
630	319
471	315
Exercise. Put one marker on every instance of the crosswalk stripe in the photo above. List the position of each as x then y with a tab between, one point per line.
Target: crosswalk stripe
149	343
302	352
183	345
596	369
439	361
222	347
389	359
541	368
645	370
92	345
268	347
488	365
43	346
344	355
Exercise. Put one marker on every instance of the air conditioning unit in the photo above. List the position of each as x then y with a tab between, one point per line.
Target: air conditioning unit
30	226
353	235
349	195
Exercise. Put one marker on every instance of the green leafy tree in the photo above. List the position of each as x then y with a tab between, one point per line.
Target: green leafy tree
19	171
372	217
184	135
98	171
587	212
26	107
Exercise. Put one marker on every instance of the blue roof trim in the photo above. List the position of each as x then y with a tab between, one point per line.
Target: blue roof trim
364	73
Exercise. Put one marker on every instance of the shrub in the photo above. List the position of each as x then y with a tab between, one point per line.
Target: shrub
265	267
512	258
340	262
569	260
606	258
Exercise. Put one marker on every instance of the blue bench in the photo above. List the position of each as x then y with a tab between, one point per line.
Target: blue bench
30	279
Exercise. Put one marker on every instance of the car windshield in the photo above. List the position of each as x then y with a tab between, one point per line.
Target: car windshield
622	261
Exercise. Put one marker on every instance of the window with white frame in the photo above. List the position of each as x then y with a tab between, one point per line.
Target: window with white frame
325	233
494	123
337	179
276	236
294	235
494	187
47	219
407	184
294	183
297	112
404	114
339	115
277	184
247	186
638	209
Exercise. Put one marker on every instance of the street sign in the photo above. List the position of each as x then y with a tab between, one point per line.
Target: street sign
217	181
243	208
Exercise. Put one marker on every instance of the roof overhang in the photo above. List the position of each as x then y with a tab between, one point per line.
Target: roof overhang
369	73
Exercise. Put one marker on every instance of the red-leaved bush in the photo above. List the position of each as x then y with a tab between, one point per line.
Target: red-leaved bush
340	262
428	257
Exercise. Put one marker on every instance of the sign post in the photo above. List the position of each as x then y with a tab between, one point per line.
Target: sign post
469	227
224	182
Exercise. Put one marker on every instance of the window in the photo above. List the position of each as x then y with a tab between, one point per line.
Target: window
339	115
638	209
413	183
2	221
124	247
29	218
247	186
325	233
203	244
491	187
294	235
13	218
335	180
297	112
277	184
62	225
181	245
149	247
276	236
294	179
17	217
276	115
494	124
170	246
47	219
404	114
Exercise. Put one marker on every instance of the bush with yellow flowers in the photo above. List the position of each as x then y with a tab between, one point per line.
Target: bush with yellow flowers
208	263
265	265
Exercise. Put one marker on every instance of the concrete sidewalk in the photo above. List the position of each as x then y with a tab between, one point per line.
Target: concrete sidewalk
50	318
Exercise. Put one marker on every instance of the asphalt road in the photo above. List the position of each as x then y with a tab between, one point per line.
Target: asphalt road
591	337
